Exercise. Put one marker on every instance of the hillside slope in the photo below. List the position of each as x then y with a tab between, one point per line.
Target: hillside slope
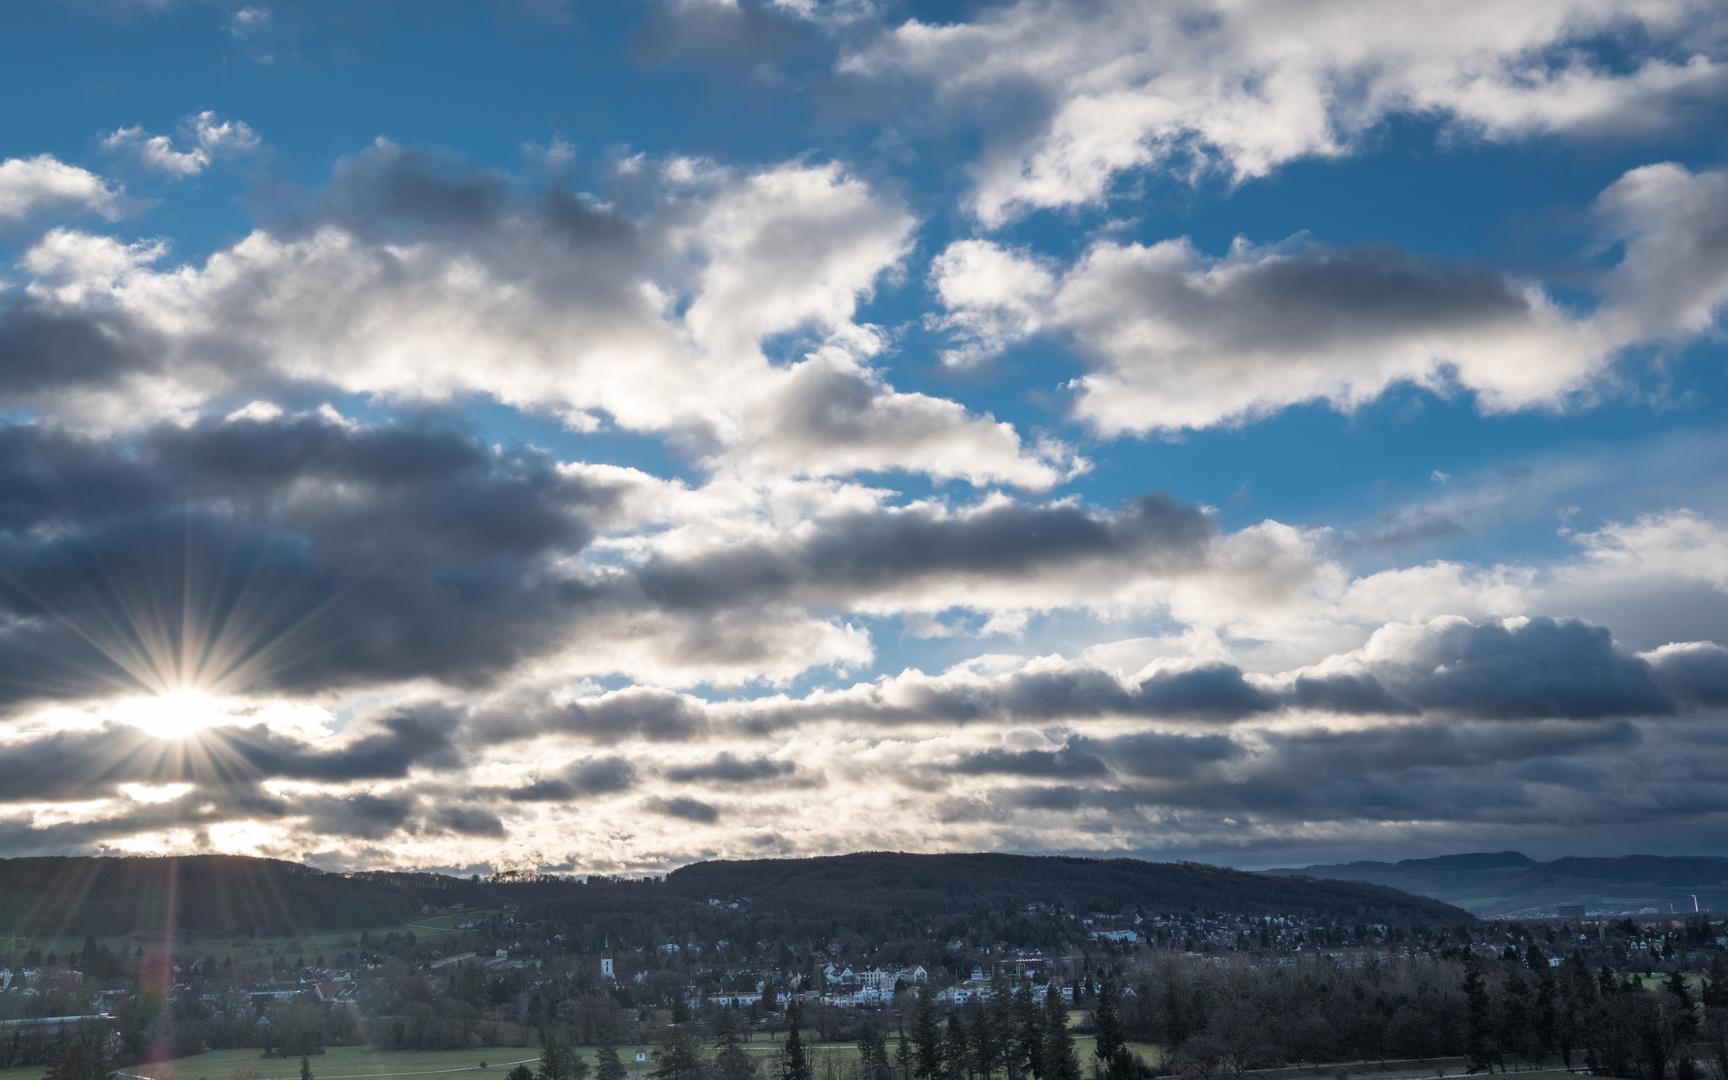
235	896
1509	883
843	884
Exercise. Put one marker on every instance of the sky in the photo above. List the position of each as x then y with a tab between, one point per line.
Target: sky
594	437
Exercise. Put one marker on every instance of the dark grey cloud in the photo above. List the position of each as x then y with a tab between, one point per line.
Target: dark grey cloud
362	815
1065	762
390	192
87	763
1213	692
314	554
42	347
1694	674
748	36
1369	290
1542	668
593	776
894	549
728	769
686	808
1141	755
639	711
1150	754
1517	772
470	822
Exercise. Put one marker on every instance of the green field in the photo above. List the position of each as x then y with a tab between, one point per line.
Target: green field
364	1063
337	1063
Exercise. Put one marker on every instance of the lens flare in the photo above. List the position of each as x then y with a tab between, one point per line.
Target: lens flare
178	714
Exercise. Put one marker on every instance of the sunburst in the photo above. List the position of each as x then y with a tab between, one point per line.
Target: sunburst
176	714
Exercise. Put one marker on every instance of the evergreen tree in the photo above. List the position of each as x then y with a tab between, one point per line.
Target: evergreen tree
873	1063
904	1060
520	1072
1001	1027
680	1058
1479	1040
983	1039
607	1065
79	1056
305	1067
1716	982
1112	1049
927	1033
1027	1052
797	1066
956	1050
1059	1060
559	1061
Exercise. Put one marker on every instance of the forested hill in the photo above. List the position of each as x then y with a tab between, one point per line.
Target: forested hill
1506	882
920	884
231	896
224	895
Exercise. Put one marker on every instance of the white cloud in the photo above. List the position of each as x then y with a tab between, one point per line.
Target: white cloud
210	138
1181	340
664	324
1178	339
29	186
1246	86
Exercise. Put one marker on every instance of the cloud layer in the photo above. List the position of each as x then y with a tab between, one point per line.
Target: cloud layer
629	506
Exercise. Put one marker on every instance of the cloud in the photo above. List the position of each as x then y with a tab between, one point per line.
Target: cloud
687	809
591	776
727	769
30	186
318	553
210	138
1177	339
1520	668
731	300
1073	97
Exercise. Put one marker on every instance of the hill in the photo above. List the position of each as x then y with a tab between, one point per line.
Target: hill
1508	883
926	884
236	896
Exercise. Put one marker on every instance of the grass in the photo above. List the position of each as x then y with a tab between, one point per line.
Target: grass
365	1063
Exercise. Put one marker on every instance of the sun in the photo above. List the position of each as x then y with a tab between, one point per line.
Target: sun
176	714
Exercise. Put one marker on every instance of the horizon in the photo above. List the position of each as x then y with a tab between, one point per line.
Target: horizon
591	438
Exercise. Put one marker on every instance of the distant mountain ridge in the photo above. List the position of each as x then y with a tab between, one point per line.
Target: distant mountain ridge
1510	883
887	880
238	896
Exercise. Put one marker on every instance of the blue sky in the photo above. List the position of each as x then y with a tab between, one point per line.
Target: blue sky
474	434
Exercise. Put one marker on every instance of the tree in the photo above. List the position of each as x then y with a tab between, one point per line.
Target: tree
520	1072
1479	1044
1059	1060
873	1063
559	1061
797	1066
1716	982
927	1033
903	1059
1112	1049
956	1050
607	1065
1027	1049
680	1058
80	1056
305	1067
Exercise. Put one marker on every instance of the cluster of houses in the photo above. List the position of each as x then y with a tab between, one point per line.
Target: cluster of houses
28	979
